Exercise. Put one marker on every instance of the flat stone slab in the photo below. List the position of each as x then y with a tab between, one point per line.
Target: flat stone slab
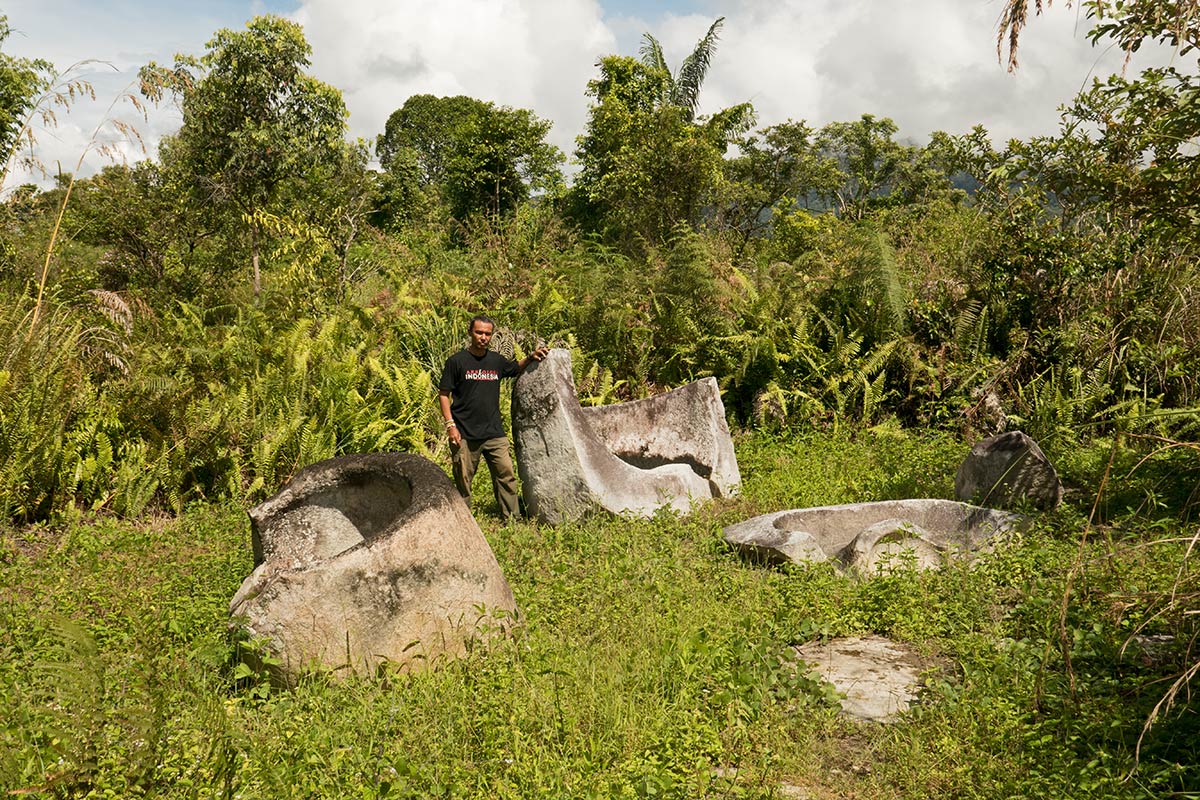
728	777
867	537
879	679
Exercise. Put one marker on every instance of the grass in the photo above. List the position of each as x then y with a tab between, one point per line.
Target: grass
651	662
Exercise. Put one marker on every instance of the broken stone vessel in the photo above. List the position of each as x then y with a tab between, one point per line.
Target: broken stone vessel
367	559
668	450
865	536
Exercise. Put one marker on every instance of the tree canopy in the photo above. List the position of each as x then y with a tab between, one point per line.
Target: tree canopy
21	81
647	164
253	120
476	156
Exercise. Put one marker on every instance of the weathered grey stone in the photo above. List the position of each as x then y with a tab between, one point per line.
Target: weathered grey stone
367	559
1006	470
985	415
866	536
878	679
892	540
668	450
684	426
1151	650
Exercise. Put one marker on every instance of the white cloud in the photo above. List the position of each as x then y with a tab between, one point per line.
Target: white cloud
928	64
536	54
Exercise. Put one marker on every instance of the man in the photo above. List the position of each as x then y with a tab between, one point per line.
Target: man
472	376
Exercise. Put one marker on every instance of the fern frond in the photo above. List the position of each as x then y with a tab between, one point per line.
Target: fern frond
878	358
971	329
879	272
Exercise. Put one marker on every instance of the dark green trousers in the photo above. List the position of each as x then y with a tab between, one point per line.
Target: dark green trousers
465	460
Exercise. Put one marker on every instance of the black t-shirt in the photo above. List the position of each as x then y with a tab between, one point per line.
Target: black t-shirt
474	385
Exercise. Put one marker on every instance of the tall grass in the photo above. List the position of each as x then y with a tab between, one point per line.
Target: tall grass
46	405
650	662
208	403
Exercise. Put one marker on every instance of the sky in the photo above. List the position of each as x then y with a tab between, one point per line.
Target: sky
928	64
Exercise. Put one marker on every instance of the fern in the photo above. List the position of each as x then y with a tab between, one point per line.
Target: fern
879	274
1059	402
74	679
971	329
96	708
47	405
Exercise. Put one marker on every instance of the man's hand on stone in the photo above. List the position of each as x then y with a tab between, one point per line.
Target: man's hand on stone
538	354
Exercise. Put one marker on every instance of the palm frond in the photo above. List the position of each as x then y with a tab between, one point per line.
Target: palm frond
652	54
1013	18
694	69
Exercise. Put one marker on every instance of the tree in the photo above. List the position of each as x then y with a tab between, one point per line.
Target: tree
401	198
777	170
868	158
875	170
1129	22
498	158
427	126
137	218
647	164
682	89
1127	146
253	120
21	81
475	156
338	202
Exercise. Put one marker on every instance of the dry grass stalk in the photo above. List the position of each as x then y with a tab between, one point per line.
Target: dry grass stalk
106	149
1012	21
65	90
1170	20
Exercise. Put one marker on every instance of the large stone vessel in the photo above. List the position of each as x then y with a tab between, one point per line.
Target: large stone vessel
365	560
668	450
865	536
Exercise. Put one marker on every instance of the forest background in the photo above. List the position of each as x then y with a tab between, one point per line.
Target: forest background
201	324
195	327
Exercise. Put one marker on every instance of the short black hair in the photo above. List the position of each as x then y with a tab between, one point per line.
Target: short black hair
480	318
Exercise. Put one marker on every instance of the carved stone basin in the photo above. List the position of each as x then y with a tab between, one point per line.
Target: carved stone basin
369	559
670	450
866	536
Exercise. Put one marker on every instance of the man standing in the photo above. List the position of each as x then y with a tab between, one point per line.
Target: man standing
472	376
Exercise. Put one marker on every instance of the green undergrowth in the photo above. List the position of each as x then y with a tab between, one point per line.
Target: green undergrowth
650	660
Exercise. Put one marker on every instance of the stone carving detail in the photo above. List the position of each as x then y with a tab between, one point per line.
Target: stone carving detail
1007	469
367	559
668	450
864	536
